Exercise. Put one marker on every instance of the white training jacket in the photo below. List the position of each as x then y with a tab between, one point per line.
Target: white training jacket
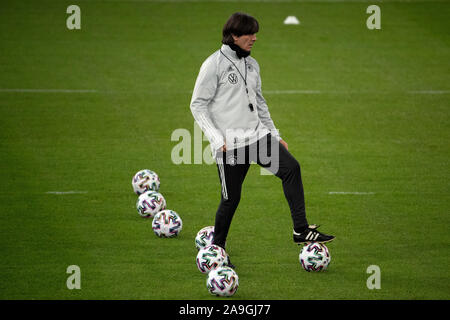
220	104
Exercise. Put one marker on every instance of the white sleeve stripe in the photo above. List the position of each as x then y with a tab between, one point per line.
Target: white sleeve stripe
210	130
206	125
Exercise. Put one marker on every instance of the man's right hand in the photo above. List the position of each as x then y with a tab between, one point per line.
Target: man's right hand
223	148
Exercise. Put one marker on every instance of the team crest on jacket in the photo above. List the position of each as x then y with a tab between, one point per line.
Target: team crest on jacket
233	78
232	160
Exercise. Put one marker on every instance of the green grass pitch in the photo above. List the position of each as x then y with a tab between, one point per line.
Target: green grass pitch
362	110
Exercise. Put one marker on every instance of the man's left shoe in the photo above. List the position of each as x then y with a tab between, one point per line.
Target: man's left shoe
312	235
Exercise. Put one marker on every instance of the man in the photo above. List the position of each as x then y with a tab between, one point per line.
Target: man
228	105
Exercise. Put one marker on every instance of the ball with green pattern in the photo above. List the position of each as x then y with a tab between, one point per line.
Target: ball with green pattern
204	237
314	257
145	180
223	282
167	224
150	203
210	258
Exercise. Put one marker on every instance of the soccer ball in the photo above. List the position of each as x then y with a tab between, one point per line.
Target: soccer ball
149	203
223	282
314	257
210	258
167	224
204	237
145	180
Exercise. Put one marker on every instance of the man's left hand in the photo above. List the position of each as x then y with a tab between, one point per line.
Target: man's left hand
284	143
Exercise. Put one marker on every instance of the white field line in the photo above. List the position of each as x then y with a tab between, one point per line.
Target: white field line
274	1
49	90
66	192
430	92
292	92
353	193
268	92
351	92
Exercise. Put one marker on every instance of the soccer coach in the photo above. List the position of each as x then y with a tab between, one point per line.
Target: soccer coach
228	105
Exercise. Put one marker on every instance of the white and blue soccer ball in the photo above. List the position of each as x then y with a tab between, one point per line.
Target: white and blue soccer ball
167	224
314	257
223	282
145	180
150	203
210	258
204	237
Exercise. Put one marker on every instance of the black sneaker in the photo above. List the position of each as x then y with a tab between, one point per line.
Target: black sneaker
312	235
229	264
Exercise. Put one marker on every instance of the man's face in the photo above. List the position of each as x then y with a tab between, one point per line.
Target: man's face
245	41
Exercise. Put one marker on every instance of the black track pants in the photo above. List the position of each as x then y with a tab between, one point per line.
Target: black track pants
233	167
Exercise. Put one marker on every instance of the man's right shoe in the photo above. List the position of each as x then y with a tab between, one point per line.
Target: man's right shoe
312	235
229	264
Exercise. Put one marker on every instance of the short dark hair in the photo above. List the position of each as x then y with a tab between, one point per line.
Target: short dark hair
238	24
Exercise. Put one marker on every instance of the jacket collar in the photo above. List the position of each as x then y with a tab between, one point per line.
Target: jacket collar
230	53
